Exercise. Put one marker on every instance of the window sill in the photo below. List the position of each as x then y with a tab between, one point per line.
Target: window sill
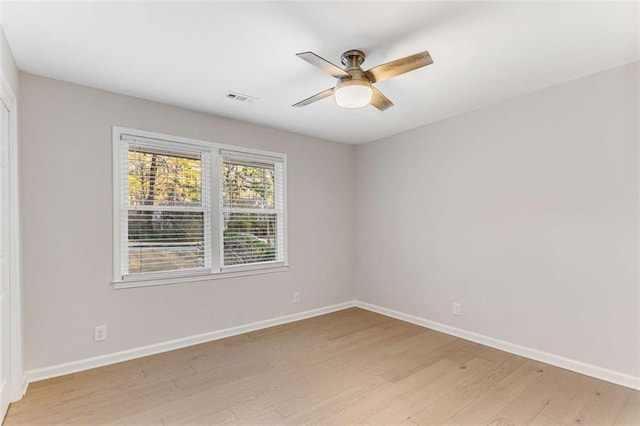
118	285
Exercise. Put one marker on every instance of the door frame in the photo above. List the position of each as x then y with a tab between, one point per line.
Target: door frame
16	379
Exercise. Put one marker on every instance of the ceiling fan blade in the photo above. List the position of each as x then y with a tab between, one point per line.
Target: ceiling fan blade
399	66
315	97
379	100
323	64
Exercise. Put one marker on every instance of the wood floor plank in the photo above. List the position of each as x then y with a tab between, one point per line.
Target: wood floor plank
338	402
202	415
630	412
603	407
347	367
449	405
364	408
428	393
485	408
567	400
410	363
530	402
266	416
344	377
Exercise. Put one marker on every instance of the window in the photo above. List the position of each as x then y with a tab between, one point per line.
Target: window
252	209
186	208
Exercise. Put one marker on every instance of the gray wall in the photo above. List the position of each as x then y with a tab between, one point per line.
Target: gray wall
525	212
66	189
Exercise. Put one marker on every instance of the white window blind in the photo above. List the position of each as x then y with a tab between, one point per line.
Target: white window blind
166	208
252	213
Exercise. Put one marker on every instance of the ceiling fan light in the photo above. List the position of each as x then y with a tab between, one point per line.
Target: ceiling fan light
354	95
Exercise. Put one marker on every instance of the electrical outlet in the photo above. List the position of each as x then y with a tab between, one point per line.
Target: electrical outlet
100	333
457	309
296	297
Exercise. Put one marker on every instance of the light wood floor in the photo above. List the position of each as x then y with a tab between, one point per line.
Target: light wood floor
352	366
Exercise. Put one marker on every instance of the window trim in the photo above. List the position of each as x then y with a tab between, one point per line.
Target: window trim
216	271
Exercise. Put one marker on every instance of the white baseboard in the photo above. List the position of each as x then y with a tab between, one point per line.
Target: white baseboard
25	385
102	360
559	361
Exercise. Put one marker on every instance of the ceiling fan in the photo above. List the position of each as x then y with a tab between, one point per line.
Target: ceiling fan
354	87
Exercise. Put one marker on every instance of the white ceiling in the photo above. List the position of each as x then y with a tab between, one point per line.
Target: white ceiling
190	54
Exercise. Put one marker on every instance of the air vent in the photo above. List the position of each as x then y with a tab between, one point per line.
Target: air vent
240	97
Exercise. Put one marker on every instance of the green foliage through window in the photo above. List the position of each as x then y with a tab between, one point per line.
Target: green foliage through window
161	238
249	220
163	179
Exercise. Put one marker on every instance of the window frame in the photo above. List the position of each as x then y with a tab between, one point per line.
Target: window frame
216	270
238	155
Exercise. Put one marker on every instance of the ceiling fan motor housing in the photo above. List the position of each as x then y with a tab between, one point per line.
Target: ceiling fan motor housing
354	91
352	59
